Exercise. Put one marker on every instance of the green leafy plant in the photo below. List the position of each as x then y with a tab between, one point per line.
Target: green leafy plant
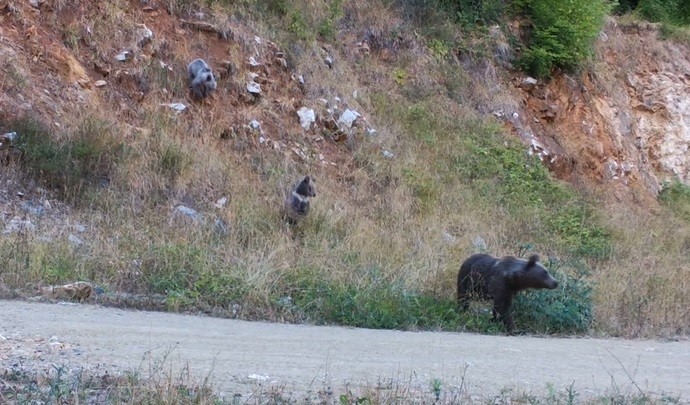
562	33
676	196
568	309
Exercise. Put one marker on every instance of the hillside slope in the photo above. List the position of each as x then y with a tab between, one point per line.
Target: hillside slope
120	178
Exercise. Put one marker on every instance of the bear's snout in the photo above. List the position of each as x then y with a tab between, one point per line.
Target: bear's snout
552	284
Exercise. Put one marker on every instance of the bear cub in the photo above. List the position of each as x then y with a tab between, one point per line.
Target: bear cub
201	78
486	277
297	203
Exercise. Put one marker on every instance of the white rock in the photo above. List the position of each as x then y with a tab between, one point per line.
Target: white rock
254	88
179	107
75	240
221	202
306	117
100	83
11	136
123	56
388	154
17	225
529	81
254	124
188	212
347	118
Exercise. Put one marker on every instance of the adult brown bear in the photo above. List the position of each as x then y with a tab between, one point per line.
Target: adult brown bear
486	277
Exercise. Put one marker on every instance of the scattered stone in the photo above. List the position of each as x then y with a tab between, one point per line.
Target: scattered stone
100	83
254	88
388	154
189	212
17	224
31	208
80	228
329	61
253	62
347	118
371	132
221	202
124	56
448	238
178	107
479	243
254	124
145	36
220	227
528	83
79	291
75	240
8	137
306	117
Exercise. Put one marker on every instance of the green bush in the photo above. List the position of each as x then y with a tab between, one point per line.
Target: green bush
568	309
676	196
665	11
562	33
471	12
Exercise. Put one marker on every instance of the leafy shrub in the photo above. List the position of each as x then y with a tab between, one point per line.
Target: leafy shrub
562	33
568	309
676	196
665	11
573	224
379	305
471	12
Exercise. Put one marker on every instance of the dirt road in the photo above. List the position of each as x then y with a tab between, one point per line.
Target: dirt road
303	358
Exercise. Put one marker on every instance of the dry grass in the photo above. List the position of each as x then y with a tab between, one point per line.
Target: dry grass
642	290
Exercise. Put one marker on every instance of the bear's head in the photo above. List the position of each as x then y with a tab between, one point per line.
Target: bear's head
306	188
534	275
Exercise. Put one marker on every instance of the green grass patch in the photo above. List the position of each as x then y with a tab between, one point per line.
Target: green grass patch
83	159
676	196
379	304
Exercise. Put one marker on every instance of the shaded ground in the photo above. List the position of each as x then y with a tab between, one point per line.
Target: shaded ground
303	360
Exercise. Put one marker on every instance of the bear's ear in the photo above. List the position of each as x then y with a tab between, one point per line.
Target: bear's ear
532	261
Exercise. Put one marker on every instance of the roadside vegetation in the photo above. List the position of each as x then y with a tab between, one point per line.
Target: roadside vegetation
61	384
383	243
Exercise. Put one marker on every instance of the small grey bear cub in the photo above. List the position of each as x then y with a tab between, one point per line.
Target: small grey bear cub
297	203
201	78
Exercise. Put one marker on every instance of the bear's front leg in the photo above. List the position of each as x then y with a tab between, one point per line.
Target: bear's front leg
503	311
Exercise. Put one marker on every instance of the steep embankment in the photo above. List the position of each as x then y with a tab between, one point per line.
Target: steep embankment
624	123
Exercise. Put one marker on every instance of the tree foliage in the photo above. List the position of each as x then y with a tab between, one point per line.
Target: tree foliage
562	34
